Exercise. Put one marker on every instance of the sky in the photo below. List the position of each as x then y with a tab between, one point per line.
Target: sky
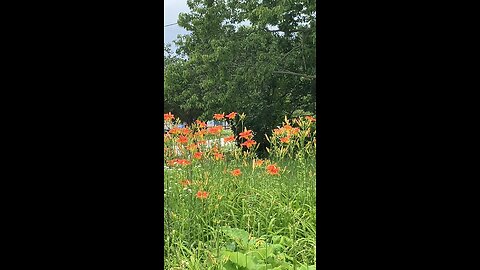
171	10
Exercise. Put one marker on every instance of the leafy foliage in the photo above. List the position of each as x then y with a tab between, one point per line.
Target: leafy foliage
255	253
252	56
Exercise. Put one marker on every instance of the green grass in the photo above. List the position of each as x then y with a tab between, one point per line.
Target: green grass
277	212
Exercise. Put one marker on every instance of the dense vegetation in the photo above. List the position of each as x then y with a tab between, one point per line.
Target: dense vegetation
226	209
250	56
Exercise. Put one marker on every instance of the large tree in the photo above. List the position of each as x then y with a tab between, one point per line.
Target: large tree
256	57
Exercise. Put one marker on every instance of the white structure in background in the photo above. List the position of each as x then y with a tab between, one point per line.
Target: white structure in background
209	143
212	123
170	126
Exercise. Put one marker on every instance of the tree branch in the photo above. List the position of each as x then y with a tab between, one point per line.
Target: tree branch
289	31
297	74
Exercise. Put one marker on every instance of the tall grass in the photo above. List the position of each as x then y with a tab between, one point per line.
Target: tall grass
235	211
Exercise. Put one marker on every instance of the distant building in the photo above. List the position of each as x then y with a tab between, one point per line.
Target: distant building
213	123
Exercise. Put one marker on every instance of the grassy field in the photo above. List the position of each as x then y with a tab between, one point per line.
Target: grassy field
226	209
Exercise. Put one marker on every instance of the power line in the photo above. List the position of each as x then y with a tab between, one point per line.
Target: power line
170	24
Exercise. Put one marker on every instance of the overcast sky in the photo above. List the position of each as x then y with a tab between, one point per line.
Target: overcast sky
170	12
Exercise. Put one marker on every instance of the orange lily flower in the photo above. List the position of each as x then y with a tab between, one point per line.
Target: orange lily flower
229	139
185	183
218	156
174	130
215	130
247	134
172	162
236	172
248	143
272	169
198	155
182	139
168	116
202	194
183	162
201	123
231	115
309	118
218	116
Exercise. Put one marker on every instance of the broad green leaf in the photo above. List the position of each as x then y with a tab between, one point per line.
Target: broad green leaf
240	236
261	253
230	266
231	246
242	260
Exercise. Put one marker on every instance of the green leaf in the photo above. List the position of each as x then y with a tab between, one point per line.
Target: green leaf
231	246
276	239
242	260
240	236
286	241
265	252
261	253
283	267
304	267
230	266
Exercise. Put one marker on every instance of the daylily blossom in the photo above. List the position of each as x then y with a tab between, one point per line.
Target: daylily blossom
182	139
178	162
201	123
197	155
215	130
168	117
229	139
218	116
202	194
248	143
218	156
172	162
236	172
247	134
185	183
231	115
185	131
272	169
175	130
259	162
309	118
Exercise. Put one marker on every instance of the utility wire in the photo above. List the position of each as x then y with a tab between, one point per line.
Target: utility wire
170	24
